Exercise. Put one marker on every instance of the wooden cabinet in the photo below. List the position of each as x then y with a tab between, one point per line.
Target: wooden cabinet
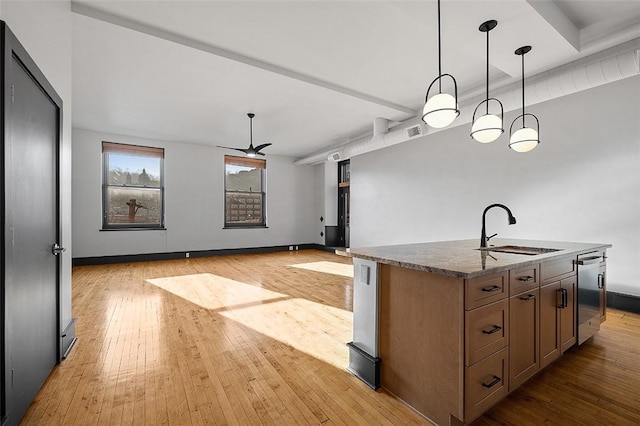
486	289
557	319
451	348
486	330
550	299
523	337
568	320
486	383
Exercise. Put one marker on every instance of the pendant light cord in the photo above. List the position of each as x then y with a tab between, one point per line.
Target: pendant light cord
487	104
439	53
523	124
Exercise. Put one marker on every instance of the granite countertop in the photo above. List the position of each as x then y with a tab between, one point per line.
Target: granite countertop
462	258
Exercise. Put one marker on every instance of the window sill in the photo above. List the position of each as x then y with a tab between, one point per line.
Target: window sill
246	227
132	229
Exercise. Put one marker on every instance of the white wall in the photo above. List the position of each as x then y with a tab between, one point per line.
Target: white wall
194	202
582	183
44	29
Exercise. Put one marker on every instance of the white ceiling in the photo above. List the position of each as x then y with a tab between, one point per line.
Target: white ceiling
315	73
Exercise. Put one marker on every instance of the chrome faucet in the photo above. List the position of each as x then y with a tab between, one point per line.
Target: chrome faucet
483	236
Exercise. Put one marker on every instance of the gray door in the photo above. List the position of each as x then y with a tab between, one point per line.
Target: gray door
31	228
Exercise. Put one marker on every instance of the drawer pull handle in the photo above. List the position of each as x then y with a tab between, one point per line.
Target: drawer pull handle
495	329
494	382
491	289
528	297
526	279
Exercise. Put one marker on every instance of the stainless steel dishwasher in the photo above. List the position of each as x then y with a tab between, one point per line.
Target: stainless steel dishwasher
589	300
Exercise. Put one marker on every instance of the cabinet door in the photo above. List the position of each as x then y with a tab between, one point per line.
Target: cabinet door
568	319
550	300
523	337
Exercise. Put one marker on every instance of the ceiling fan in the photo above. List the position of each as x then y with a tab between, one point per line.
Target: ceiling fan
251	151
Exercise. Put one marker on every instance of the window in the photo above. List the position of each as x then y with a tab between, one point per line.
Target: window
132	189
244	188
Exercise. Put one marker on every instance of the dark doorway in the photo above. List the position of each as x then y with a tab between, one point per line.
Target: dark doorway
344	181
31	269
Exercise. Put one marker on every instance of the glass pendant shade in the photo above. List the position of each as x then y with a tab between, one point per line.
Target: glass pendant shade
487	128
440	110
526	137
524	140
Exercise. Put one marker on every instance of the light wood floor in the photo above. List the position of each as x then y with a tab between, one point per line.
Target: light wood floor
260	339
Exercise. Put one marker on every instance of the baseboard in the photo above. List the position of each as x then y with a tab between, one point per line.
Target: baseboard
623	302
68	338
364	366
145	257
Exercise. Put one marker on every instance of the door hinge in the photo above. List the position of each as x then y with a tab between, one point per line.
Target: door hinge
13	93
12	376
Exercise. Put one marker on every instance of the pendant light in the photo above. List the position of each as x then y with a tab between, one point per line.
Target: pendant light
487	127
525	138
441	109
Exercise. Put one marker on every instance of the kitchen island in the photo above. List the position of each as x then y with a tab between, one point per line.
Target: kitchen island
451	329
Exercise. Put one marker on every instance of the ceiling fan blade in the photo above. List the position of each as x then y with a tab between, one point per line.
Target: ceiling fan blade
260	153
260	147
235	149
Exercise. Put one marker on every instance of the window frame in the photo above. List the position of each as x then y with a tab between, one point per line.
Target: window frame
247	161
111	147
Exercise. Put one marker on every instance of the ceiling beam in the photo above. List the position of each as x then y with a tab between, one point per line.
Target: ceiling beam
551	13
91	12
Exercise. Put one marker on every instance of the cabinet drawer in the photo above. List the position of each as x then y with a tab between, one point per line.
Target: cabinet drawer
557	268
485	384
523	279
483	290
486	330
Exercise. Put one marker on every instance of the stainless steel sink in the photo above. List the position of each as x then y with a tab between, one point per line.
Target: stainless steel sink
528	251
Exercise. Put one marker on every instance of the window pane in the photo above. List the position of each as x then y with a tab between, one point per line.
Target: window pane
133	170
244	208
134	205
243	178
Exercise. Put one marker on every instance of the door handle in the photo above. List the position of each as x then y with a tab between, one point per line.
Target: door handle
564	298
600	281
56	249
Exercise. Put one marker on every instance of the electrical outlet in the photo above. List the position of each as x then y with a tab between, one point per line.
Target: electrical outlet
364	274
186	255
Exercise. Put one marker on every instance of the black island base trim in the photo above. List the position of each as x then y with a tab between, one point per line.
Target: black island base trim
364	366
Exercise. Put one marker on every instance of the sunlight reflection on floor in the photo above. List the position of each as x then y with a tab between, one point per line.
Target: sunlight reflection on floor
335	268
295	322
214	292
299	323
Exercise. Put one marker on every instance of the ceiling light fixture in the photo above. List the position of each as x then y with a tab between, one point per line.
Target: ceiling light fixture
251	151
488	127
525	138
440	110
